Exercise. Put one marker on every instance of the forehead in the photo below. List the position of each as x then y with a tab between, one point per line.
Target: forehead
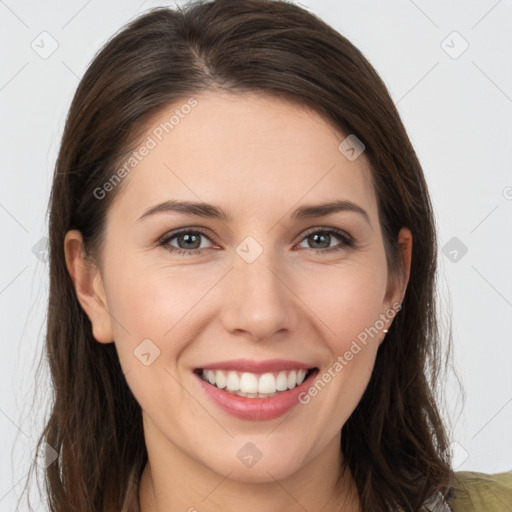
242	151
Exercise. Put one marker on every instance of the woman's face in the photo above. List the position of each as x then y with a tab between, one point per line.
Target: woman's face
260	285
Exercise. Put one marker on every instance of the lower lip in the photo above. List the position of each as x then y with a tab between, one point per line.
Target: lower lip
256	408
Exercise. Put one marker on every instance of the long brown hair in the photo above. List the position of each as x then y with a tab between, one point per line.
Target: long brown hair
394	443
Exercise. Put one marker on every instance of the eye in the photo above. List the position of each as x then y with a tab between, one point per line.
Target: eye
189	240
321	237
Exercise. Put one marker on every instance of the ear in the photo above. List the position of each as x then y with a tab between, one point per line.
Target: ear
396	290
89	287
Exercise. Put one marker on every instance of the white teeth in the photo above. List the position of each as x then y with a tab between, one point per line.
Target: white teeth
220	379
292	379
267	384
248	383
252	385
282	382
233	381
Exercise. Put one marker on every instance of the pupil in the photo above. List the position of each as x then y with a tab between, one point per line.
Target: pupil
317	236
188	238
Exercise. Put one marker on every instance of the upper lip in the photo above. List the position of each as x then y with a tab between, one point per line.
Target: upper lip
249	365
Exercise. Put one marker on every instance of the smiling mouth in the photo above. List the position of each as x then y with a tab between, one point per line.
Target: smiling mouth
255	385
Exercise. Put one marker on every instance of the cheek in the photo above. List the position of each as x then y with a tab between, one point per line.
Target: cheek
150	299
346	300
163	305
148	316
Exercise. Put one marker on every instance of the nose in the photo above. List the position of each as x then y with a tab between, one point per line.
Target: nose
258	299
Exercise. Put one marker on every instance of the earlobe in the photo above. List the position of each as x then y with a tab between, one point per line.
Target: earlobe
89	287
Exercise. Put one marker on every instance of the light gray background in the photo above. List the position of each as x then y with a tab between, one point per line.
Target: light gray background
457	108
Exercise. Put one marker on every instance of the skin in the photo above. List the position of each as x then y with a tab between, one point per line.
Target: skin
259	158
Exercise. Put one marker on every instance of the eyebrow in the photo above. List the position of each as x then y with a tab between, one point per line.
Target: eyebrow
215	212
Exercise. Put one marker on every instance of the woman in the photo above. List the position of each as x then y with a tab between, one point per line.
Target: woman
287	359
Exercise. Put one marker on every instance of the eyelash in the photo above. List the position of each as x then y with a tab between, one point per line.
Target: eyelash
347	240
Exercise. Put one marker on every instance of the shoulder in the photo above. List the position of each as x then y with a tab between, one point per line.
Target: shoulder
482	492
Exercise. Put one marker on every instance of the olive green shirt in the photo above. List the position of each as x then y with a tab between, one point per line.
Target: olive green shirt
482	492
475	492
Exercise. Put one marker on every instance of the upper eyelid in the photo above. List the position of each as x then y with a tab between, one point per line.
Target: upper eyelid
327	229
179	231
